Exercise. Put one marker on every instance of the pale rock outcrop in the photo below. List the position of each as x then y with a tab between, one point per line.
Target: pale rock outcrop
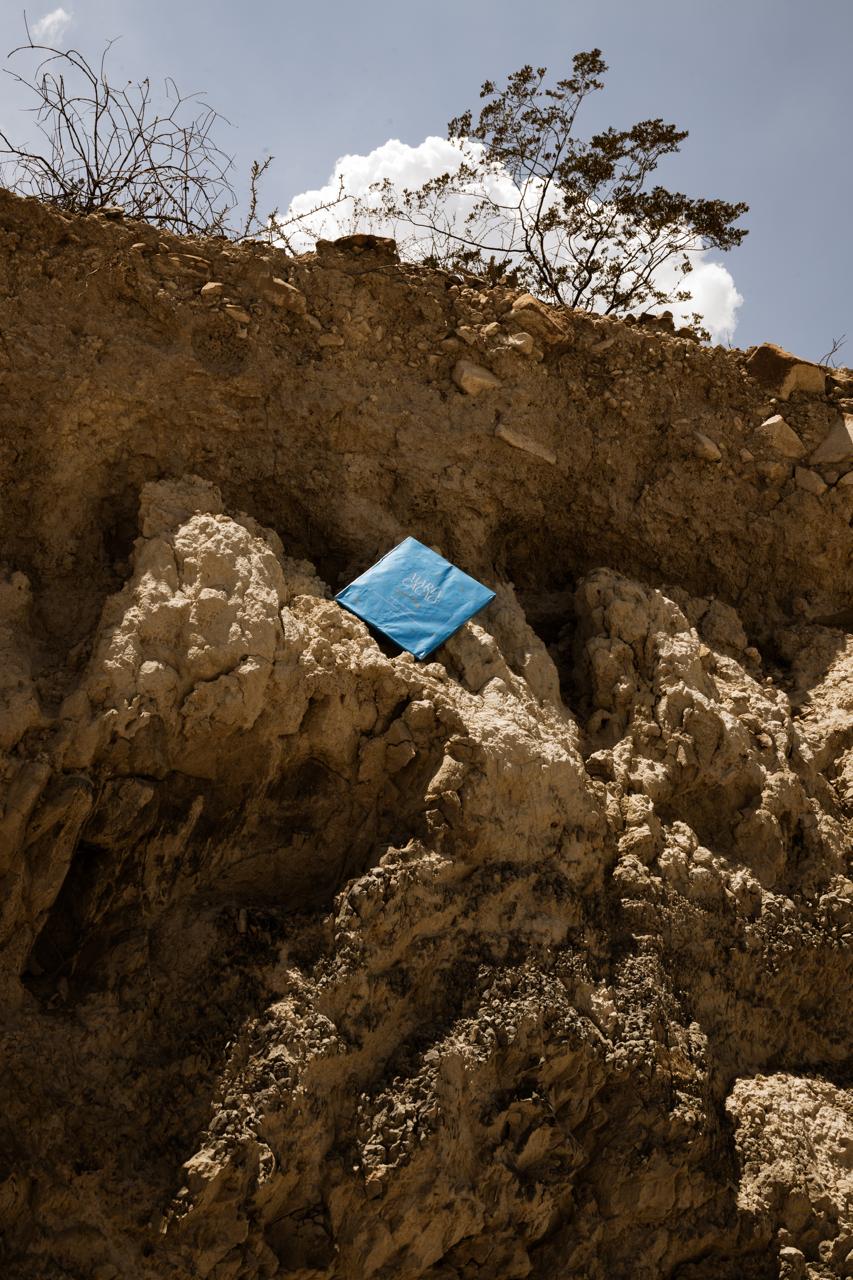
529	960
783	373
450	1038
794	1140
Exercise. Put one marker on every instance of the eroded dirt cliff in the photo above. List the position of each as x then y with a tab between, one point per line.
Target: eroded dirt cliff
532	960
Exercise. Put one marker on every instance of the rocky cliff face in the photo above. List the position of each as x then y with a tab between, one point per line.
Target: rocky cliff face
532	960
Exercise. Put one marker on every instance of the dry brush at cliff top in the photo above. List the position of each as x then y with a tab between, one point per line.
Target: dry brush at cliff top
531	960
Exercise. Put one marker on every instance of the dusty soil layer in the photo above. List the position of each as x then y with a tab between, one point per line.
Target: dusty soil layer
532	960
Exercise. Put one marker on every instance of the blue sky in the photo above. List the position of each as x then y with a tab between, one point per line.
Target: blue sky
764	86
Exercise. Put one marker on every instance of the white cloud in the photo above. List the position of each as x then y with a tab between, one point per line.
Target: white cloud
52	26
400	164
715	297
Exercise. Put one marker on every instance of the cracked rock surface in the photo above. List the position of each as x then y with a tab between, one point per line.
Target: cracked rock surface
530	960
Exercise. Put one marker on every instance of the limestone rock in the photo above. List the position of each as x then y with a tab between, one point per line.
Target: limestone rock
522	342
184	264
841	380
782	373
282	294
238	314
519	440
662	321
468	334
527	302
809	480
380	247
837	445
532	314
793	1140
212	291
775	433
775	472
705	448
473	378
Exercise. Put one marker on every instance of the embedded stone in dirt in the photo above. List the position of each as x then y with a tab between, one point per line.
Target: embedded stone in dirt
783	373
522	342
383	247
520	441
837	445
777	434
809	480
473	378
705	448
282	294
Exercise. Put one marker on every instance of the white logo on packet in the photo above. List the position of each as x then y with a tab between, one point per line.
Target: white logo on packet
421	586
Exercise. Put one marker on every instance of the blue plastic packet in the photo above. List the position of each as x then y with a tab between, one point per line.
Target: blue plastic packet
415	597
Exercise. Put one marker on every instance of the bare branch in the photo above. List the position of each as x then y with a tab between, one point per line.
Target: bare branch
105	146
829	359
